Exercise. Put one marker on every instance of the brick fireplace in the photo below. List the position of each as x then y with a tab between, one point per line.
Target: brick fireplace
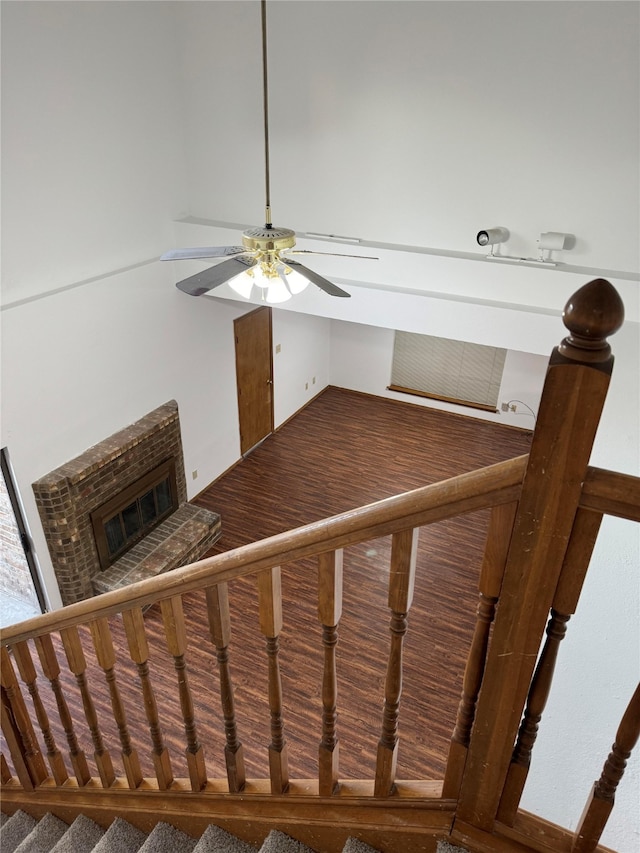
69	496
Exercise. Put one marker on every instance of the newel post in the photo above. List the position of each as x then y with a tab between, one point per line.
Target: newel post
573	397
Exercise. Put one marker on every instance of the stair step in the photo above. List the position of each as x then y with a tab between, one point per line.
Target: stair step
15	830
354	845
21	833
81	837
121	837
278	842
217	840
167	839
45	835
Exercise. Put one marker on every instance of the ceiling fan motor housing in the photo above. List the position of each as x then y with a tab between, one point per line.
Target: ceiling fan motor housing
267	239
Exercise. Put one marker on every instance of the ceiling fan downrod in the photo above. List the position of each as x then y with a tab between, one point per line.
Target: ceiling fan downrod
265	102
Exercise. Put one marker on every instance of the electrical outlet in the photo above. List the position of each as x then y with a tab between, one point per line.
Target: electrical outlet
505	407
278	348
512	407
306	386
313	381
194	474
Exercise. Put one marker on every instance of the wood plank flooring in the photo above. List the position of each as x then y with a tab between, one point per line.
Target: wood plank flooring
344	450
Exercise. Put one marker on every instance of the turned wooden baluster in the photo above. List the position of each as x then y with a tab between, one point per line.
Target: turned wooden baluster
495	558
602	796
14	742
329	612
51	669
270	615
574	392
133	621
220	629
5	773
78	666
401	582
28	674
574	570
105	653
176	636
19	723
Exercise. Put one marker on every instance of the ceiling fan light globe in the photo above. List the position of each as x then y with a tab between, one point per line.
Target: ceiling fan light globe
242	284
277	291
296	282
259	277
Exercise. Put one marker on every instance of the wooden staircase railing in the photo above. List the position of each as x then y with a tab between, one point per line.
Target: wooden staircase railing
546	510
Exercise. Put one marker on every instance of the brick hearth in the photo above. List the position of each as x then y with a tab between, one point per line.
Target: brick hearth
67	496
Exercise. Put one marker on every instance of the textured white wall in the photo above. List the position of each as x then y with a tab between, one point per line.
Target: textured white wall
421	122
91	140
301	368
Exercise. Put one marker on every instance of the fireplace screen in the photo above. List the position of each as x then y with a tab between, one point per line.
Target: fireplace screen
125	519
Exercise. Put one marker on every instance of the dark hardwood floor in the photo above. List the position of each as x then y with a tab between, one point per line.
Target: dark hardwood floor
342	451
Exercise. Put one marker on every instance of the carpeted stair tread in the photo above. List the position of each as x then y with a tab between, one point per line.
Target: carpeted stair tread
45	835
15	830
80	837
278	842
167	839
217	840
21	833
121	837
354	845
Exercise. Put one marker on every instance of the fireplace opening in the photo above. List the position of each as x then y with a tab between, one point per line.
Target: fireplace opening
123	520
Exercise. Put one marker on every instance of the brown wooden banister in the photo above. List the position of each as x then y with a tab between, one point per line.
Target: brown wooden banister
486	487
546	510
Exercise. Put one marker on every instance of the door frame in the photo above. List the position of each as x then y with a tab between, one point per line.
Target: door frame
23	530
268	309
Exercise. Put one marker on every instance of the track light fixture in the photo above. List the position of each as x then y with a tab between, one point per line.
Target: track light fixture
554	241
491	237
548	242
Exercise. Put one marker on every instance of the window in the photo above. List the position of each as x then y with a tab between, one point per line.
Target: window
124	520
442	369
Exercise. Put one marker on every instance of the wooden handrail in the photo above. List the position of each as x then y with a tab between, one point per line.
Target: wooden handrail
485	487
611	493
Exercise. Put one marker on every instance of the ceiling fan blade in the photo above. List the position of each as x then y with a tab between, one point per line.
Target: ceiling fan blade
335	254
203	282
202	252
314	278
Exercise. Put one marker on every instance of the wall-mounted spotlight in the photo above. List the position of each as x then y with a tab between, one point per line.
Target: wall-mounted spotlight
492	236
553	241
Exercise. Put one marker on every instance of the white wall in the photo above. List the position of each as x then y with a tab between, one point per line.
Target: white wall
421	122
361	358
91	140
301	366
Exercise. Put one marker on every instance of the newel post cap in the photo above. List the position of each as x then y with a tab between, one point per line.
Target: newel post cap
591	314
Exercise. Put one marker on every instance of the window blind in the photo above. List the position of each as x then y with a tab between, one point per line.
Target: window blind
456	371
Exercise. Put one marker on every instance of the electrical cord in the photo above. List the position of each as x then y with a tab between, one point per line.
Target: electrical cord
522	403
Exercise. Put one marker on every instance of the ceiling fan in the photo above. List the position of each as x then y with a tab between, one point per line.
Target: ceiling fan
263	258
